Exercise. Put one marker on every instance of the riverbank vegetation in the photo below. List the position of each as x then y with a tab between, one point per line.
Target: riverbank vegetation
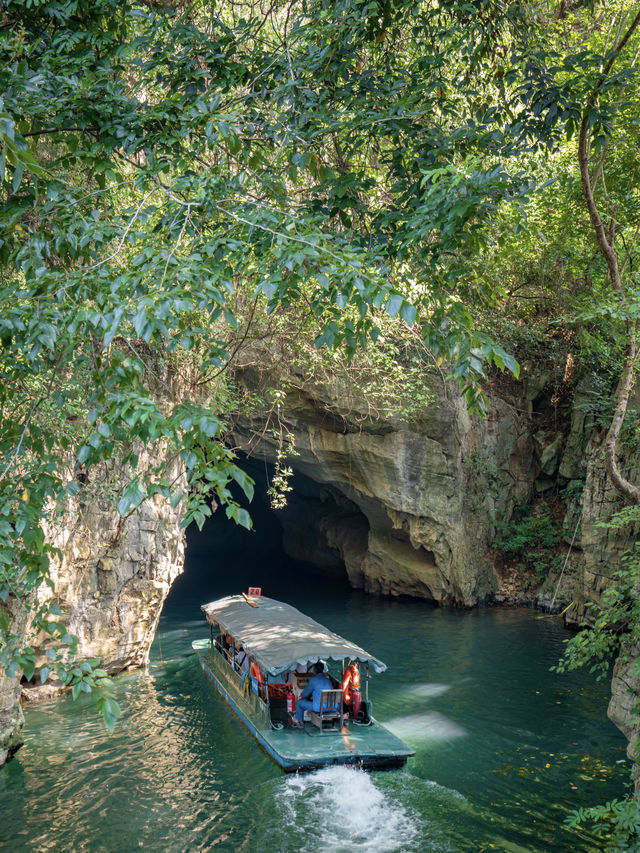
404	187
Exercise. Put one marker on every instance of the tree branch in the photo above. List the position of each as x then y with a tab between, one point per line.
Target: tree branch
606	244
625	383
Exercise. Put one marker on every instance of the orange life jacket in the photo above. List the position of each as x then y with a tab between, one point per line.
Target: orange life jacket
254	671
350	681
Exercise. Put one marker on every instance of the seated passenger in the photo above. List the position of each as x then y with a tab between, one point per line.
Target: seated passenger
227	644
242	660
317	683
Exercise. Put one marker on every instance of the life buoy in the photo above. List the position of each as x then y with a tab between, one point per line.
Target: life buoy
350	681
255	672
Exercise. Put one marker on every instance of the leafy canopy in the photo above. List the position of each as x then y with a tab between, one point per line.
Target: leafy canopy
174	174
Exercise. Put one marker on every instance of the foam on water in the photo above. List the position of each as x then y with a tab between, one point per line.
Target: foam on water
341	809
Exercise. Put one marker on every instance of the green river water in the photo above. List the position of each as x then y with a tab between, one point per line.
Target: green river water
504	748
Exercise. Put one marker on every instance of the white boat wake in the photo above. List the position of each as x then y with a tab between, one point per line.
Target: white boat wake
340	809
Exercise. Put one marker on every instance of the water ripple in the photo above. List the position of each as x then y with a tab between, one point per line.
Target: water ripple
502	752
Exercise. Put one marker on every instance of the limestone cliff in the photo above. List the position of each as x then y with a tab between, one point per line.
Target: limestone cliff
602	551
111	581
407	506
114	574
11	716
623	707
391	506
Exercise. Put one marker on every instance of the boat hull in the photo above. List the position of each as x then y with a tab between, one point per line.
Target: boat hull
372	747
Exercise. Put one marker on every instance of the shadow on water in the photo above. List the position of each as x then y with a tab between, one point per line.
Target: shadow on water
504	748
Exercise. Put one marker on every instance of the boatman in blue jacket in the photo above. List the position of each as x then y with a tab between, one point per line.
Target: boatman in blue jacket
316	684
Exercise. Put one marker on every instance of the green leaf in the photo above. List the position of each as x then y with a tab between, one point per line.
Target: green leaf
393	304
408	313
17	177
28	669
243	518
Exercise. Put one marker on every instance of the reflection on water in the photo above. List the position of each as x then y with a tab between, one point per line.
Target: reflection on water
428	726
427	690
504	748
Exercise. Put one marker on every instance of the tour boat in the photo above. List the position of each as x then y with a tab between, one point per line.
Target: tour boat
258	654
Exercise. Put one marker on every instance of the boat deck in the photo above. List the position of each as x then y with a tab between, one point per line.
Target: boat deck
368	746
372	746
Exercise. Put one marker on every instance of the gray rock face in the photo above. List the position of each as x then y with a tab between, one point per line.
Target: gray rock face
114	573
603	549
110	582
409	509
623	707
11	716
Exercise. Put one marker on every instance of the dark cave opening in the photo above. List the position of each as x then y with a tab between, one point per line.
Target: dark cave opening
312	539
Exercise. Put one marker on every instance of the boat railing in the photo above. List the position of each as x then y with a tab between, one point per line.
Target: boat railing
243	680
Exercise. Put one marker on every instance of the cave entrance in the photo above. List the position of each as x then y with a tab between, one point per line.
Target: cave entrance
317	540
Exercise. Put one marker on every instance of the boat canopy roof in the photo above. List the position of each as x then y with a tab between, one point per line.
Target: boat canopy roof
279	637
